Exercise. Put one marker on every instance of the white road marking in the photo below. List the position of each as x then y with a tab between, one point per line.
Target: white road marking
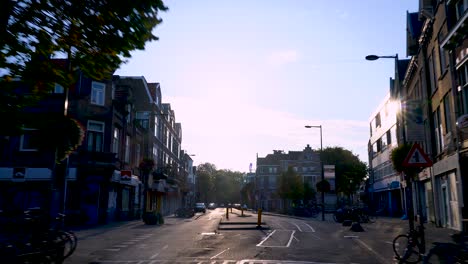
121	246
290	239
298	228
208	234
112	249
128	242
269	235
391	243
311	228
157	254
296	239
219	253
351	236
379	257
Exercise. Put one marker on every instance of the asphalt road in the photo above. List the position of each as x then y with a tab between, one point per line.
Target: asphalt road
197	240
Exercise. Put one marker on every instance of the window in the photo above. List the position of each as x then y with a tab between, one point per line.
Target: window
129	112
156	126
448	121
370	128
374	148
462	73
95	136
127	148
389	137
393	139
377	121
29	140
432	73
97	93
461	6
155	152
438	131
58	89
443	56
272	181
379	144
143	119
270	169
116	140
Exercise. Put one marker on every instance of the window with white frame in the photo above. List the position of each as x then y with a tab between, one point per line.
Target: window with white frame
95	136
127	149
438	132
29	140
98	92
116	140
156	126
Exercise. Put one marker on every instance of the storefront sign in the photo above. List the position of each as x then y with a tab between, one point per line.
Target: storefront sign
125	175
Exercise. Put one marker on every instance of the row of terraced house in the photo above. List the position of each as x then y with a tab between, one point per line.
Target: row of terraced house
427	104
125	121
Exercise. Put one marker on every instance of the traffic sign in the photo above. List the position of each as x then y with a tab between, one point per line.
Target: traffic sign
417	158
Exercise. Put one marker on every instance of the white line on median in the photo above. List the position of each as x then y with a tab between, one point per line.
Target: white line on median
311	228
290	239
219	253
269	235
300	230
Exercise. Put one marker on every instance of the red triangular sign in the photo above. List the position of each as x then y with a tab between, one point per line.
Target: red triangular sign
417	158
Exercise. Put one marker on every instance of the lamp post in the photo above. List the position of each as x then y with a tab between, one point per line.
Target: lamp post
321	168
409	186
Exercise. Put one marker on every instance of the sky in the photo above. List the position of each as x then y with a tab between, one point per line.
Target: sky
244	77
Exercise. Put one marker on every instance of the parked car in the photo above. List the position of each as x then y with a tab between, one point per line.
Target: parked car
211	206
237	206
200	207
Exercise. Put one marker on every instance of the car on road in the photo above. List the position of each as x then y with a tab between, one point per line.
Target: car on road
200	207
211	206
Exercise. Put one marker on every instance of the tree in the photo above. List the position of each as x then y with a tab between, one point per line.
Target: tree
93	35
248	194
398	155
349	170
290	187
205	174
309	193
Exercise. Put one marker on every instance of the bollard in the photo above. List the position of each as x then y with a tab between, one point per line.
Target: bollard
259	219
227	213
242	211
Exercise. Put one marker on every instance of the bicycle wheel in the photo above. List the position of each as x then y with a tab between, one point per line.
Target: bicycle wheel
70	243
404	250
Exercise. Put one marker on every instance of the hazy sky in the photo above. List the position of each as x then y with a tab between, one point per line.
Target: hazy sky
245	76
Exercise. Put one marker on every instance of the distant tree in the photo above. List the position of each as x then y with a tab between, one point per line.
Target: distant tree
309	193
290	187
93	35
349	170
205	186
248	194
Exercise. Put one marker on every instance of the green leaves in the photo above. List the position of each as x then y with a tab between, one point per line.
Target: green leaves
398	155
95	36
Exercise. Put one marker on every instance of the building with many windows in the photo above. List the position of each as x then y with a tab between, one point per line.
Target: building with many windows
306	163
385	192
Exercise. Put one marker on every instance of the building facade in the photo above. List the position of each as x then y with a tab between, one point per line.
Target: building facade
269	168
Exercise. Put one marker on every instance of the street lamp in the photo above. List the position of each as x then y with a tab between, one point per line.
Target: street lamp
409	199
376	57
321	168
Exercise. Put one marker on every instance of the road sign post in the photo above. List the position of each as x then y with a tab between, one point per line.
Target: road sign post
416	158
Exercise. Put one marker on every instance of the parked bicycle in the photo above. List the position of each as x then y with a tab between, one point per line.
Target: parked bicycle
449	252
408	248
356	214
32	239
